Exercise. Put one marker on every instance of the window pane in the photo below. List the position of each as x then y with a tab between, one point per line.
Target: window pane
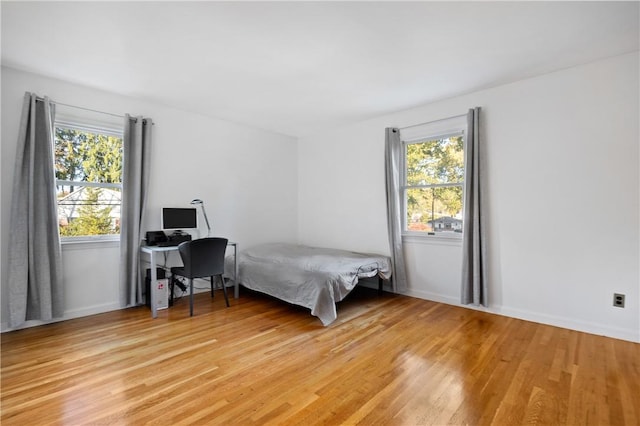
84	210
434	209
435	162
86	156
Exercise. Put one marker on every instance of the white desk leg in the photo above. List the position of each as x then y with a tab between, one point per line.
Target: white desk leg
236	291
152	287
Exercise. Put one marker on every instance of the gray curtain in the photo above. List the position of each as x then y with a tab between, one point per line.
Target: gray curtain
135	181
393	154
474	257
35	266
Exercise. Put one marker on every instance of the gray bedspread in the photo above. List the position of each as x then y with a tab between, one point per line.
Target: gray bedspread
315	278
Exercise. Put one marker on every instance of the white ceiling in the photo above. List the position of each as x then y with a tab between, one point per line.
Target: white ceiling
291	67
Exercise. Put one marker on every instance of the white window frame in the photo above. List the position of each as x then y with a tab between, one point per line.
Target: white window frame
91	127
440	129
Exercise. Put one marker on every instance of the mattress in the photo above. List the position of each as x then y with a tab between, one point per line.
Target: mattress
313	277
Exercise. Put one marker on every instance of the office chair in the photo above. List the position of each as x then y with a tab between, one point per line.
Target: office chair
201	258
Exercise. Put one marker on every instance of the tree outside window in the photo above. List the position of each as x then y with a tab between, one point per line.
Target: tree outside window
434	172
88	165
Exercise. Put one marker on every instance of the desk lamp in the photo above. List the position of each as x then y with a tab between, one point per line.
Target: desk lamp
199	202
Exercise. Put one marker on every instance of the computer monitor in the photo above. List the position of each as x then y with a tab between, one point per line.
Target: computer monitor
178	219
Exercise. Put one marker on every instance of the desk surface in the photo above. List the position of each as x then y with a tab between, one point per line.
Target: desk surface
149	249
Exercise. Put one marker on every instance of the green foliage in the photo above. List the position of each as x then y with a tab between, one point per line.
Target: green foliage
435	161
88	157
68	163
103	160
93	219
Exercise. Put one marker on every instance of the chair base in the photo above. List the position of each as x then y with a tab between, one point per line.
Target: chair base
175	282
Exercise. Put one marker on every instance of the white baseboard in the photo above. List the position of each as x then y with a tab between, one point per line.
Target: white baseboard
557	321
69	314
563	322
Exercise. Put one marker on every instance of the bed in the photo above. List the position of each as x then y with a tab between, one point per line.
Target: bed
313	277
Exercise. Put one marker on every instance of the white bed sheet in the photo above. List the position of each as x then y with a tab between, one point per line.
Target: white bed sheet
313	277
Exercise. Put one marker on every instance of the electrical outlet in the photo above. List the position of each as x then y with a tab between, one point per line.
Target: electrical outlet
618	300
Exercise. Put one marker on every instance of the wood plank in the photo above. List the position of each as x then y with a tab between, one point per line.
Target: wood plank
388	359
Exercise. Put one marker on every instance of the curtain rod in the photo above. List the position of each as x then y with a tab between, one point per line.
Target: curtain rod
433	121
83	108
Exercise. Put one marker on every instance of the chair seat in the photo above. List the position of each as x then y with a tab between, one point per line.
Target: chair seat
201	258
178	270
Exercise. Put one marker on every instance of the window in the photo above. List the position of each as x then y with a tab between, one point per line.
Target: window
433	182
88	165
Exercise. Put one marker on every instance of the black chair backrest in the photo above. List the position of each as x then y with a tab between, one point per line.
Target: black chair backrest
203	257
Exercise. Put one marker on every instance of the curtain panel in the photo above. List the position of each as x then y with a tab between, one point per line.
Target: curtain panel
393	154
35	267
474	250
135	183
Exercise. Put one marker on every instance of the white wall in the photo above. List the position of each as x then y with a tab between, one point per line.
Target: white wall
563	179
247	178
563	199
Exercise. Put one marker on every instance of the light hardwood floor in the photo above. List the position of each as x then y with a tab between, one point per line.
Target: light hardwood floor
387	360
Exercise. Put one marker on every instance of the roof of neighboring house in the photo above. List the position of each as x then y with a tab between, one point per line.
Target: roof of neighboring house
446	219
69	205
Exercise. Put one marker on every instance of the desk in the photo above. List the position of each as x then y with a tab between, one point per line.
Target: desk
152	251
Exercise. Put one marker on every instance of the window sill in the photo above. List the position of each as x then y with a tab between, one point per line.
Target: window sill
433	239
82	243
